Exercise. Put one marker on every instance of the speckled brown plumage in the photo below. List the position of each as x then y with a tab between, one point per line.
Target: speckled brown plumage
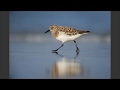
67	30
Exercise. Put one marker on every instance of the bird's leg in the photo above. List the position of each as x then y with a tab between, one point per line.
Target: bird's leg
58	48
77	49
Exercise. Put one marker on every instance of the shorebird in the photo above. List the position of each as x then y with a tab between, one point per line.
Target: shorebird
65	34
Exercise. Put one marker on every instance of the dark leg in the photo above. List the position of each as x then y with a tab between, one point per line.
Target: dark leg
77	49
58	48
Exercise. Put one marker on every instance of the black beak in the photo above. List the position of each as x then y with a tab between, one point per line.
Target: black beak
47	31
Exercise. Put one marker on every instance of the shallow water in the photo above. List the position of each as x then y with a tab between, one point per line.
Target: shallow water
36	61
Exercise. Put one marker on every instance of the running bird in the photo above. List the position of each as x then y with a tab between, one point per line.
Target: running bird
65	34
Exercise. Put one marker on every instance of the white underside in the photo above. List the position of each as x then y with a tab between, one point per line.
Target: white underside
65	38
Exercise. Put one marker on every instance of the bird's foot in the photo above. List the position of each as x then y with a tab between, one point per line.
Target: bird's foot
55	50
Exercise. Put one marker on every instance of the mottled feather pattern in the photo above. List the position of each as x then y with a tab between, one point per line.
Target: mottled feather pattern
69	31
56	34
64	30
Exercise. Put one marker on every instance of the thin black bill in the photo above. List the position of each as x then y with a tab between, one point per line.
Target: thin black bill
47	31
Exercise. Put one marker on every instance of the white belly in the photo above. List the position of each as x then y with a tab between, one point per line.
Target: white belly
66	38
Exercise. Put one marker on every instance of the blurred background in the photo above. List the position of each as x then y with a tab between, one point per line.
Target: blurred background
31	25
30	48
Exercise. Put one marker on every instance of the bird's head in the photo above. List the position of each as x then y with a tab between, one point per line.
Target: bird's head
52	28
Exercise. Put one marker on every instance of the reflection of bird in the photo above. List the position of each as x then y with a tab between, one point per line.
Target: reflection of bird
64	68
65	34
77	53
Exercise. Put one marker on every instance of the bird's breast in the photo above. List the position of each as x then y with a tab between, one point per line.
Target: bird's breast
65	38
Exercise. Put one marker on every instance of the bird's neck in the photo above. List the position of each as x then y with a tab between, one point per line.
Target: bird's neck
54	33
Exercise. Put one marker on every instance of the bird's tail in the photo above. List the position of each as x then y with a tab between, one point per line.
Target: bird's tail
84	32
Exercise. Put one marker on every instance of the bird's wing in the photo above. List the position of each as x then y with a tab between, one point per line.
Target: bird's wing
68	30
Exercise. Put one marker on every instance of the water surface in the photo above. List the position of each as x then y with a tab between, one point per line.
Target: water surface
36	60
